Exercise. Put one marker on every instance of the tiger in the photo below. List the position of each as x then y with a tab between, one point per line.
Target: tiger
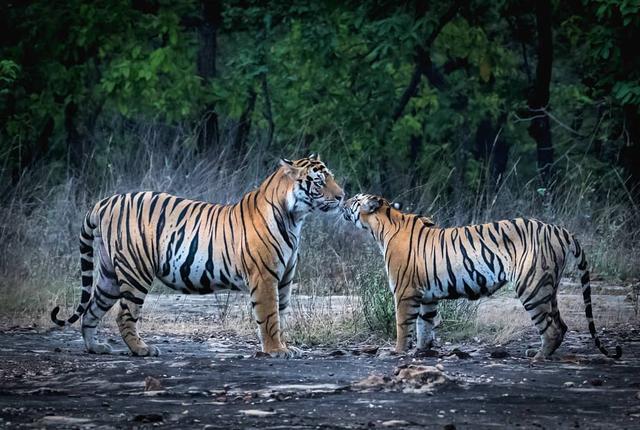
197	247
425	264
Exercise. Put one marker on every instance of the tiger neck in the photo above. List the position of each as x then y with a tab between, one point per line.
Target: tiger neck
386	227
273	202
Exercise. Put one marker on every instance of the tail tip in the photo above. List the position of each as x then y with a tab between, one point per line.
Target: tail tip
618	353
54	316
615	356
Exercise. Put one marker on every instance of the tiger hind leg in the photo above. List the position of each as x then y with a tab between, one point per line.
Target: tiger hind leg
131	301
546	317
127	319
425	324
105	295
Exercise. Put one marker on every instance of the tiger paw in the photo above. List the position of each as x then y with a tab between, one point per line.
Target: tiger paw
99	348
147	351
285	352
536	355
297	352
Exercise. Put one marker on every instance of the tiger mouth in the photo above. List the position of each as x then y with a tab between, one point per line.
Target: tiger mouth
347	214
330	206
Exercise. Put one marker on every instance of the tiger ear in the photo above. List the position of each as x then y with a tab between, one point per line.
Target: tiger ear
314	156
289	169
397	205
427	221
371	205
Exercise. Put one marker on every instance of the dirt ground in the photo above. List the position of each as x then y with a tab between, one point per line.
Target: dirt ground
47	380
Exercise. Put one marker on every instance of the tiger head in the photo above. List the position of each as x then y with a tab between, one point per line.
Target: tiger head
371	212
314	186
364	210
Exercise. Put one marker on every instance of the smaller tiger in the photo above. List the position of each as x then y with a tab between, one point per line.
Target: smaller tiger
426	264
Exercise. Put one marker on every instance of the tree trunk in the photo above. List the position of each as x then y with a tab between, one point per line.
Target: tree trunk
33	154
492	148
244	125
208	135
630	154
540	127
268	113
75	142
422	67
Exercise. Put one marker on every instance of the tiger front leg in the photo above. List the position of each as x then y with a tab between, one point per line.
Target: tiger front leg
284	298
265	304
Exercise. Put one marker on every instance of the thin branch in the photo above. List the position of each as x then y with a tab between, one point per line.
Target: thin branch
268	113
555	119
423	61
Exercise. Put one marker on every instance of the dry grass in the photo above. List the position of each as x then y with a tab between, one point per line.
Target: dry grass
40	218
502	318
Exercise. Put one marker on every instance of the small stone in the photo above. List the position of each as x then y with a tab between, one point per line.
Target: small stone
596	382
369	349
337	353
499	352
148	418
152	384
63	421
460	354
256	413
569	384
394	423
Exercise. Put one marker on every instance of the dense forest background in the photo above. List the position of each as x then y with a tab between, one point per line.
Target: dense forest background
467	110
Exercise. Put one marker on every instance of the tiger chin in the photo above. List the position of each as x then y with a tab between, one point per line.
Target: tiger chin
425	264
198	248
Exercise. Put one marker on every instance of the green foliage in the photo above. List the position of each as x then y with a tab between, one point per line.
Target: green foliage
157	76
456	317
328	77
611	38
377	302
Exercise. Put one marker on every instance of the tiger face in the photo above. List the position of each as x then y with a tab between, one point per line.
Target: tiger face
367	211
362	209
314	186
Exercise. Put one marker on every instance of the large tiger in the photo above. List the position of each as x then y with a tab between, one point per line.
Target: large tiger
198	247
426	264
